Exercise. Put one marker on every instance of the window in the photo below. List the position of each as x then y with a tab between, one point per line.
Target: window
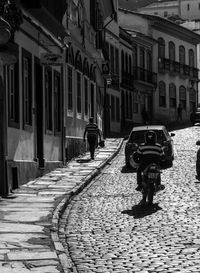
112	59
117	110
122	62
92	96
182	54
172	95
48	98
117	61
112	108
191	58
27	87
126	63
199	5
13	95
135	56
127	105
142	58
192	98
78	92
70	89
182	96
171	51
149	61
86	96
130	106
161	48
135	102
188	6
129	64
162	94
57	102
165	13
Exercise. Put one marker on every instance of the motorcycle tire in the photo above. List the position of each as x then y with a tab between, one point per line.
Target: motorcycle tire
150	194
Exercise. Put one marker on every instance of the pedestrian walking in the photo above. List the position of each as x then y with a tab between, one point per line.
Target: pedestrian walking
92	132
179	112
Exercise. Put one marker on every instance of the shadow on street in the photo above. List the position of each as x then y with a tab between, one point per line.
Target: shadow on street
140	211
126	169
83	160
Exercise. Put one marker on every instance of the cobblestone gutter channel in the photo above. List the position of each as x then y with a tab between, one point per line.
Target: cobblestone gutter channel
62	210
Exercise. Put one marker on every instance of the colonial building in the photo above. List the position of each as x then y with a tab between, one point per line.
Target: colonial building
138	79
174	60
54	86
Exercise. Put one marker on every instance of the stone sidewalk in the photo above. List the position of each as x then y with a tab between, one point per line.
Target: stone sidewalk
29	218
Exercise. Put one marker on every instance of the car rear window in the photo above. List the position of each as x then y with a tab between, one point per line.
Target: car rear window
138	136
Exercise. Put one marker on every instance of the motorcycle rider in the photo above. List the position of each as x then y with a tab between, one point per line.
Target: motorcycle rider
147	153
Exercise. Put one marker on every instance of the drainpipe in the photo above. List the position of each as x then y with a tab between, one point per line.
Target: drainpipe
4	38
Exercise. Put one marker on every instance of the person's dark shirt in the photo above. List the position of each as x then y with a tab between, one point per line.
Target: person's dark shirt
91	129
150	153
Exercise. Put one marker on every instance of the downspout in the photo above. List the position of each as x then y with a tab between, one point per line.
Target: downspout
5	34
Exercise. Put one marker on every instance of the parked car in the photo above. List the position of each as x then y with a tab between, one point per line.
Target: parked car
195	116
164	138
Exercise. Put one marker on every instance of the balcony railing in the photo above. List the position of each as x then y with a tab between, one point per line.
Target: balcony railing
173	67
141	74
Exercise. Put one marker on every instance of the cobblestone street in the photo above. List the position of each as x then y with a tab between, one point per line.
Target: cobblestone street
106	231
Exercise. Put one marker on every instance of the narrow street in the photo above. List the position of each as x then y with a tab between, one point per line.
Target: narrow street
106	231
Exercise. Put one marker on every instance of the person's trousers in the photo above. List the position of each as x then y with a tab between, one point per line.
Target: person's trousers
92	140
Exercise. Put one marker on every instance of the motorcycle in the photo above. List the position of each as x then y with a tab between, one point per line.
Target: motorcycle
198	161
150	182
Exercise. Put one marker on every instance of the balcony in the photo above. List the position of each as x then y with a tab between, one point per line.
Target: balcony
176	68
141	74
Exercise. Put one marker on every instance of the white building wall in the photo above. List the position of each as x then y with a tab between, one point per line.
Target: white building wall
167	78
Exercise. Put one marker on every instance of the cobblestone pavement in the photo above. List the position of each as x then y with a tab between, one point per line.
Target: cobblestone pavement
29	218
106	231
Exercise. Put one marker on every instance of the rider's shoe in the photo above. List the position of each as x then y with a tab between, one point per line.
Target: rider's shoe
139	188
159	188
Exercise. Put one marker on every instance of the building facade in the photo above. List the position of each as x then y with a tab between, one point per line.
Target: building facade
54	86
174	62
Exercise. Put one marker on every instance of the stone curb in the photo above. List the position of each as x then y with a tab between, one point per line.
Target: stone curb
61	207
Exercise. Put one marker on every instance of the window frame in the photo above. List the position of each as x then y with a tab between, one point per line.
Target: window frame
14	107
172	51
191	57
172	97
86	96
70	101
78	92
57	102
27	90
162	97
48	100
183	101
181	54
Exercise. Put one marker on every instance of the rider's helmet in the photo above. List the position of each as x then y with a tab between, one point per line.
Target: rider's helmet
150	137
